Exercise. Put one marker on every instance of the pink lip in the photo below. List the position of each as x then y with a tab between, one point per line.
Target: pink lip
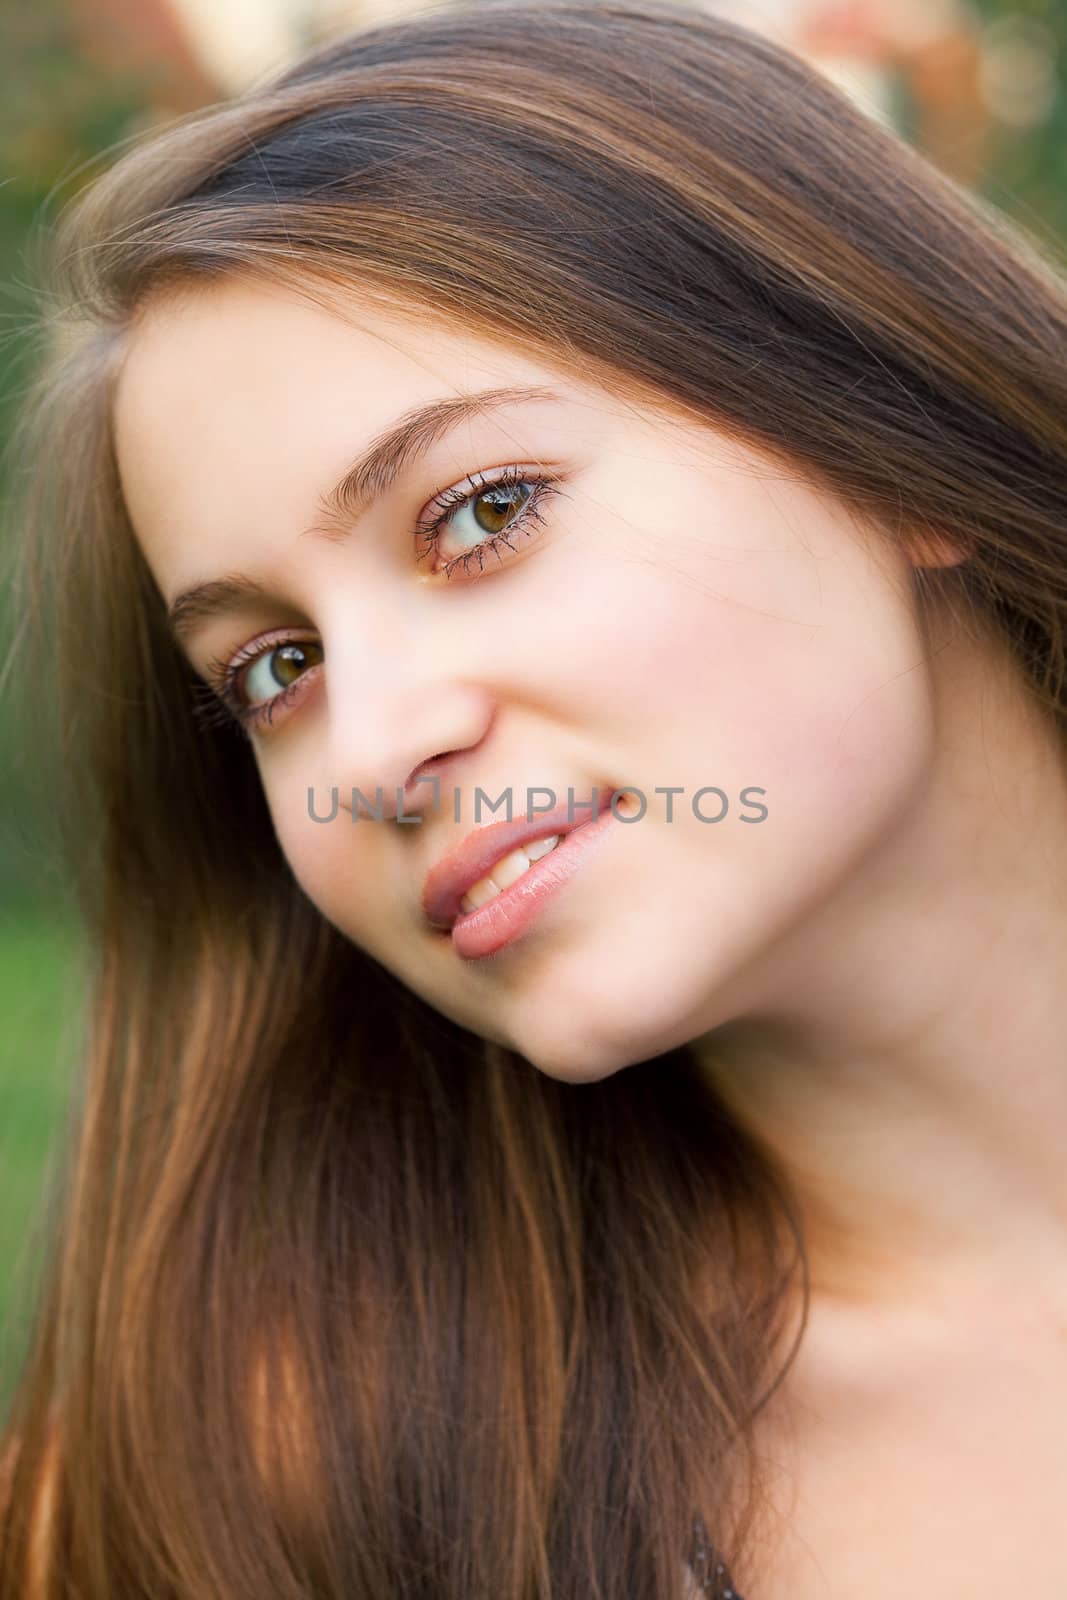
453	875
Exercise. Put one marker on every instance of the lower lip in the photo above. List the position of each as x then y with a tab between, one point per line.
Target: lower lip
481	933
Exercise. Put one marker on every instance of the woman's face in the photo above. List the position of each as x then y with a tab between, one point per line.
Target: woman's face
672	611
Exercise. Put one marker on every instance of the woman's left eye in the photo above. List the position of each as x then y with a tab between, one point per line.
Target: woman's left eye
478	521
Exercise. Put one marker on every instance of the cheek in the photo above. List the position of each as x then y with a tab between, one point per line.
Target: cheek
843	741
331	860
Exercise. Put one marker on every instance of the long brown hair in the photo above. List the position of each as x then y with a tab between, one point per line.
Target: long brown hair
343	1300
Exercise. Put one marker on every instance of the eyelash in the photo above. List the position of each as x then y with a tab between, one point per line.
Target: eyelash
220	700
451	501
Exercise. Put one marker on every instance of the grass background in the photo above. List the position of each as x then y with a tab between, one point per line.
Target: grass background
40	992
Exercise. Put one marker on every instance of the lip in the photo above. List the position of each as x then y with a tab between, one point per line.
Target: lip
448	881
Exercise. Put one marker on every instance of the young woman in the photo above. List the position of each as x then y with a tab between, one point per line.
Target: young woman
581	406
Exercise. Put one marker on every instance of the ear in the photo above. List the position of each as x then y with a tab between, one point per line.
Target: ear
929	547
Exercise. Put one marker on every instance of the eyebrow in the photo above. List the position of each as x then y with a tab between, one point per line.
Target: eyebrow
373	473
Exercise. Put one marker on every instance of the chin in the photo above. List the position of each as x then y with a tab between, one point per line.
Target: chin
585	1054
609	1017
575	1068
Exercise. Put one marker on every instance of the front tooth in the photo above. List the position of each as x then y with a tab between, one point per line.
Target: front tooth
506	872
479	894
541	847
509	868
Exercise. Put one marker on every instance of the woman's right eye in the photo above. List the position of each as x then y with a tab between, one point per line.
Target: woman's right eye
277	669
262	677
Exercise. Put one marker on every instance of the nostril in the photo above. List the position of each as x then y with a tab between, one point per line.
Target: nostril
424	767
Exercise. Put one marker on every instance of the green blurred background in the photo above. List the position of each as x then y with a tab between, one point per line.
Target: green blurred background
977	84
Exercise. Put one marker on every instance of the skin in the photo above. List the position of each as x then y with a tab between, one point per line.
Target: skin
871	974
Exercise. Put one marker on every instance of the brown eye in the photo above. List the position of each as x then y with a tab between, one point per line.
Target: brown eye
484	516
494	507
278	668
496	513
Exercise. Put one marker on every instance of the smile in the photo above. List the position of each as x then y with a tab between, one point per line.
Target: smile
493	915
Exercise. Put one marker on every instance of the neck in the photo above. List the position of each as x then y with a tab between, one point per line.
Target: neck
911	1076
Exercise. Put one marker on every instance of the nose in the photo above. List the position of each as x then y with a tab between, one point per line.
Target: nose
390	736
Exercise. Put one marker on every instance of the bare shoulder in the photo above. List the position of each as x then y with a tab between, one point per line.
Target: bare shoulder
958	1410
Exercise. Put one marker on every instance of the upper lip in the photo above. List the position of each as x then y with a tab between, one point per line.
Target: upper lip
448	881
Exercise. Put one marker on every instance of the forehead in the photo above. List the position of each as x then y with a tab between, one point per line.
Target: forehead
241	331
239	403
258	349
240	353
